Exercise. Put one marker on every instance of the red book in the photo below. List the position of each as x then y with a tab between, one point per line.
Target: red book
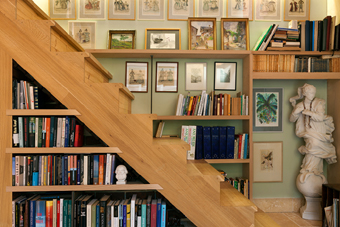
49	213
48	131
101	169
329	18
239	146
58	213
154	213
78	137
195	105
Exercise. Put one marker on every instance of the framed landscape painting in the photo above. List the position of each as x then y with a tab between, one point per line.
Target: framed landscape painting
181	9
296	10
195	76
136	76
210	8
202	33
163	39
122	39
266	10
240	9
225	76
166	76
62	9
151	10
84	33
122	10
91	9
235	34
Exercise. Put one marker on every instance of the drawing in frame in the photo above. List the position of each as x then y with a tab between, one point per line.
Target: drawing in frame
225	76
266	10
94	9
267	109
202	33
151	10
62	9
235	34
210	8
136	76
268	161
122	39
122	10
163	38
181	9
84	33
240	9
195	76
167	77
296	10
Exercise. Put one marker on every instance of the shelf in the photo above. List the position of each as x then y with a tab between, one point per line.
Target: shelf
62	150
296	76
41	112
231	117
309	53
226	161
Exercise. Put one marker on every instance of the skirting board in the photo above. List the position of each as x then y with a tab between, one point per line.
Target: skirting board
278	205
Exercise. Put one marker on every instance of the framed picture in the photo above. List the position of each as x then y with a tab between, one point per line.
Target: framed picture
225	76
202	33
240	9
163	39
122	10
235	33
84	33
136	76
91	9
268	10
195	76
122	39
210	8
181	9
166	77
296	10
151	10
267	113
268	161
62	9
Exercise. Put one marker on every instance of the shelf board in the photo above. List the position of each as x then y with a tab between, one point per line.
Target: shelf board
42	112
300	53
231	117
226	161
62	150
296	76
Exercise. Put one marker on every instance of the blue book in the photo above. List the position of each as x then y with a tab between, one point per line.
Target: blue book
207	143
163	221
52	131
230	142
65	170
113	167
215	142
98	215
307	35
245	146
313	35
95	169
32	213
199	142
159	213
124	213
223	142
40	213
78	172
67	131
120	212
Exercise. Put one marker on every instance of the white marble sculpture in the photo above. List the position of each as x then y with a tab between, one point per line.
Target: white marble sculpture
121	172
315	127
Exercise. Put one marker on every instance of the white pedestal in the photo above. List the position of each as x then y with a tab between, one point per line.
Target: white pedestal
312	209
121	182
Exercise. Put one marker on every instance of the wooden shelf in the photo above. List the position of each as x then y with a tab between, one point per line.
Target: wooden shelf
41	112
296	76
231	117
226	161
310	53
62	150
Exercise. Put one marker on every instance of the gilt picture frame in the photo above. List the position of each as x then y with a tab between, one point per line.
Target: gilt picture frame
136	76
202	33
296	10
210	8
234	34
121	39
151	10
163	38
268	10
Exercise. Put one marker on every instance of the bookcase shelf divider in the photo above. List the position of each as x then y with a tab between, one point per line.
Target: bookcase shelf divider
42	112
63	150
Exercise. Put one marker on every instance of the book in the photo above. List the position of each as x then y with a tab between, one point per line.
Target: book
159	213
223	142
230	142
153	220
103	201
207	142
192	142
199	142
215	142
40	218
261	38
133	211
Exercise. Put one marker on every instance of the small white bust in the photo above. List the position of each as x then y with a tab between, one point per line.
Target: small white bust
121	172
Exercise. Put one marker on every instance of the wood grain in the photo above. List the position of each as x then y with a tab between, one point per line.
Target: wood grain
42	112
63	150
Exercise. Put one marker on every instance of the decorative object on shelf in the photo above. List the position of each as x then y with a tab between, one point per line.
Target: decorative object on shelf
122	10
234	34
202	33
166	77
267	103
225	76
84	33
210	8
268	161
122	39
240	9
136	76
121	173
315	127
181	10
195	76
151	10
163	38
268	10
94	9
296	10
62	9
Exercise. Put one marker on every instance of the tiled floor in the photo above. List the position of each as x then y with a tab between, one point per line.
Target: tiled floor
293	220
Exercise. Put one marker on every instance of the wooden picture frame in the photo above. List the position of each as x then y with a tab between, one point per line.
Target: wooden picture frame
163	38
95	11
238	9
178	10
147	11
225	76
166	77
121	39
125	10
195	76
234	34
210	9
268	10
84	33
60	11
137	76
202	33
296	10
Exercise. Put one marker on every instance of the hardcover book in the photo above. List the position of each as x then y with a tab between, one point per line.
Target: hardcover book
215	142
207	142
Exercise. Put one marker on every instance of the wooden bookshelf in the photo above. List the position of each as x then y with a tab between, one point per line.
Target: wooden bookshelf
296	76
42	112
226	161
231	117
299	53
62	150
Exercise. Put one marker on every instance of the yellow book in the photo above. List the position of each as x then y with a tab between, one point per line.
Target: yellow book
128	212
190	105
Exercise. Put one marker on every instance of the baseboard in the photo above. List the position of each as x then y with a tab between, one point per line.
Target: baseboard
276	205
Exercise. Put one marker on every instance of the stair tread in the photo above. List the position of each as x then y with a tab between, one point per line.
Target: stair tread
37	10
263	220
171	141
91	59
205	168
232	197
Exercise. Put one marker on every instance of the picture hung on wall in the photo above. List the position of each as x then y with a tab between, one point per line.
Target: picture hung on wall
268	163
122	39
167	77
91	9
151	10
62	9
225	76
195	76
235	34
268	10
122	10
202	33
84	33
180	9
296	10
240	9
136	76
210	8
267	109
163	39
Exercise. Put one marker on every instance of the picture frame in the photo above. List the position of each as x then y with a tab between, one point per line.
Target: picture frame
195	76
167	77
199	40
236	9
94	10
225	76
62	11
84	33
268	161
154	11
234	34
268	10
163	38
210	8
267	109
137	76
121	10
181	10
296	10
121	39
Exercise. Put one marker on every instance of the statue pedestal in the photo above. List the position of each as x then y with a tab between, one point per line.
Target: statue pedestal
121	182
312	209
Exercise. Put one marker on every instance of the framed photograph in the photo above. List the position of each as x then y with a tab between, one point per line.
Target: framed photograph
268	10
296	10
210	8
167	77
225	76
163	39
91	9
122	39
84	33
202	33
181	9
267	113
268	161
62	9
136	76
122	10
240	9
195	76
151	10
235	34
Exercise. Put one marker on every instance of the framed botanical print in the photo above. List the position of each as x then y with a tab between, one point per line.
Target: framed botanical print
268	10
210	8
202	33
122	9
181	9
234	34
91	9
195	76
84	33
122	39
62	9
163	39
296	10
166	77
136	76
151	10
240	9
225	76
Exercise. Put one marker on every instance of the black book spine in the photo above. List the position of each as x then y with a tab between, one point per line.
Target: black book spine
55	132
83	214
36	99
72	131
82	169
15	131
311	35
31	131
60	173
78	213
65	170
14	94
26	141
91	169
102	211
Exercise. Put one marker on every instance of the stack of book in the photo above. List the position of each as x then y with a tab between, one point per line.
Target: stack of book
25	95
274	63
332	214
241	184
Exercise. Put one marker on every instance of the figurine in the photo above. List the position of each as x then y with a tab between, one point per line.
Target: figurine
121	172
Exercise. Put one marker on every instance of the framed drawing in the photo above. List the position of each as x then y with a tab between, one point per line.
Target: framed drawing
163	39
202	33
91	9
225	76
122	39
166	77
235	34
136	76
122	10
195	76
268	10
296	10
240	9
62	9
84	33
151	10
268	161
267	113
181	9
210	8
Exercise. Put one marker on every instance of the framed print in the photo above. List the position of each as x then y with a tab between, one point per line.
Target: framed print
62	9
163	39
225	76
84	33
122	10
136	76
122	39
210	8
151	10
240	9
166	77
235	34
296	10
202	33
268	161
195	76
91	9
267	113
266	10
181	9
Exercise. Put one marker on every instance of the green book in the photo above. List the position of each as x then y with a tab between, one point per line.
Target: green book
40	131
69	212
261	38
94	213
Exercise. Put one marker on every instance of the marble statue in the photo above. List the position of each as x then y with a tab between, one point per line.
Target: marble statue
121	172
315	127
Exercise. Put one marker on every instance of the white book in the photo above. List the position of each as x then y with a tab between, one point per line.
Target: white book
265	44
247	104
36	132
205	104
108	169
61	212
89	212
133	208
139	221
21	131
200	110
86	162
59	125
179	105
244	105
62	144
31	97
191	152
184	128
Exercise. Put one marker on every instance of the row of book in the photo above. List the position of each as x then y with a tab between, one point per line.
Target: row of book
25	95
44	170
274	63
239	183
311	64
332	214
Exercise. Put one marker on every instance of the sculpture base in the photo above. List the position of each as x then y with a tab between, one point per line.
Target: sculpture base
121	182
312	209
